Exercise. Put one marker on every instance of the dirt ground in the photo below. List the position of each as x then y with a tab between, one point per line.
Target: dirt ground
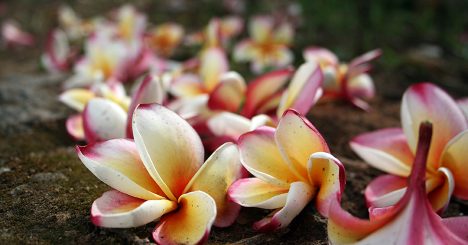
46	192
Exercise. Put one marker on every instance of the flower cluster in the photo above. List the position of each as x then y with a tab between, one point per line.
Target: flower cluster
149	144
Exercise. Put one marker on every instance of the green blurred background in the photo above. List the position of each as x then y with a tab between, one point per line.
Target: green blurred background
421	40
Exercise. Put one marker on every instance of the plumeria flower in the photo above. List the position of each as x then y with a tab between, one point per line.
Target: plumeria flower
58	55
192	89
13	35
112	94
105	59
165	38
345	81
291	166
161	177
106	111
230	27
259	103
130	23
412	219
267	46
393	150
75	27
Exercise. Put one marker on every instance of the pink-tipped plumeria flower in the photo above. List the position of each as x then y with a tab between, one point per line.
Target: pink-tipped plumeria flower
58	55
291	166
130	23
73	25
105	111
263	101
230	27
111	96
192	90
161	177
412	219
350	81
13	35
267	46
393	150
105	59
165	38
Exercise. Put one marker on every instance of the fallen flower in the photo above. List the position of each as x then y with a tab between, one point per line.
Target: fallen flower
393	150
261	102
267	46
58	55
13	35
161	176
165	38
292	166
412	219
345	81
106	110
112	95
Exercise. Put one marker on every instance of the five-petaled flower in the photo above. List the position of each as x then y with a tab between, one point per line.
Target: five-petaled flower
267	46
105	109
161	175
291	166
345	81
393	150
412	219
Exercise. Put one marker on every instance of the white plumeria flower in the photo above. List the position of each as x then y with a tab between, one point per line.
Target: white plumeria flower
161	176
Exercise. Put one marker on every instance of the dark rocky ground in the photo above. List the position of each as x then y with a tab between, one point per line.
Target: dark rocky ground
46	192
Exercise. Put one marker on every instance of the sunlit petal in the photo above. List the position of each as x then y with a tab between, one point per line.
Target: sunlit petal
103	120
74	127
149	91
76	98
191	223
170	148
301	91
426	102
321	55
297	139
214	178
385	190
118	164
411	221
228	95
299	196
187	85
254	192
361	86
115	209
213	64
269	167
327	175
455	159
260	28
263	88
385	149
230	124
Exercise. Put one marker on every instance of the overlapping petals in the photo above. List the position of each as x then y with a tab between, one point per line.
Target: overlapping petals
13	35
393	150
161	175
346	81
267	47
58	54
291	165
411	221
